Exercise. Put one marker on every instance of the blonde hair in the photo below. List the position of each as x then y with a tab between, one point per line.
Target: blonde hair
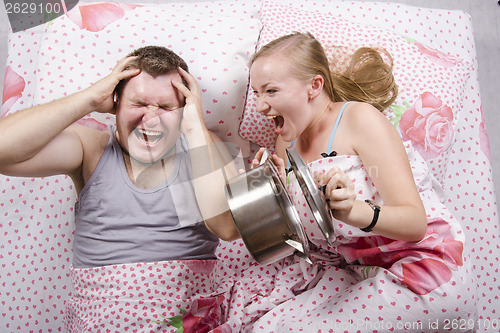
368	77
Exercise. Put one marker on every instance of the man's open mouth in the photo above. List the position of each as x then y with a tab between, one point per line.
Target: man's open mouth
147	136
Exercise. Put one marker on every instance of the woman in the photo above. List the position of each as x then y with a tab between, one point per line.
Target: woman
397	260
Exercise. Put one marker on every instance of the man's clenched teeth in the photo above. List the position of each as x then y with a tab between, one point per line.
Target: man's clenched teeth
147	136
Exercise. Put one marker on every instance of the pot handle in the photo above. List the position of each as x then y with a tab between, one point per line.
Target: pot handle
299	249
303	256
264	157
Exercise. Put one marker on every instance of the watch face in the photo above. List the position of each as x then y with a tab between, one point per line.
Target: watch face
314	197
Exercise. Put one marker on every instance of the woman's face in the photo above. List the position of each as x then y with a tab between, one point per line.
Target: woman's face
280	95
148	116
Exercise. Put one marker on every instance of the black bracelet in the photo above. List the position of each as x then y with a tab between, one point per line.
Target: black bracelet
376	211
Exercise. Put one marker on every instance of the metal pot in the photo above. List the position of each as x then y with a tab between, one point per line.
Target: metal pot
265	215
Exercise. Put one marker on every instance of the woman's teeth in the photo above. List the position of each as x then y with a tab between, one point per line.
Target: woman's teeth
278	121
150	137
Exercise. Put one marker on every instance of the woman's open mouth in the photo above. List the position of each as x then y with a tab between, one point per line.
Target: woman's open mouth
279	121
147	136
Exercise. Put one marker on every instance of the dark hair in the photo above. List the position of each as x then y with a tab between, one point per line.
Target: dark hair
154	60
368	78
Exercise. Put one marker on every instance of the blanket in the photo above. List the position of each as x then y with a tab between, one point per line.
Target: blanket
364	282
184	295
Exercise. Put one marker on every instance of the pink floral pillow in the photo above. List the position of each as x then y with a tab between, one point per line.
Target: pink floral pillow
82	46
431	84
13	89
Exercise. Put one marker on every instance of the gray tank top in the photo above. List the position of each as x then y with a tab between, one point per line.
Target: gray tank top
117	222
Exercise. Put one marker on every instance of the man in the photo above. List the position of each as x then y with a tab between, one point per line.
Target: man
150	189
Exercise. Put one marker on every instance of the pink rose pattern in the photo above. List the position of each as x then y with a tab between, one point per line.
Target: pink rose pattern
95	17
200	266
422	271
204	316
484	140
440	58
443	59
13	90
92	123
429	125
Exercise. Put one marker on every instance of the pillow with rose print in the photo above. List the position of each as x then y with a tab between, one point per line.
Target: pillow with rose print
83	46
431	84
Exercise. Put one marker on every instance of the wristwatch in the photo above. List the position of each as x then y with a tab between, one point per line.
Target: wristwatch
376	211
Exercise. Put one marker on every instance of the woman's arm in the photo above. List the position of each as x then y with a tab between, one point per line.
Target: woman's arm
380	148
210	161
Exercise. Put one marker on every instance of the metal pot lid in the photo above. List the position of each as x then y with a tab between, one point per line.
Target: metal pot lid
298	239
313	195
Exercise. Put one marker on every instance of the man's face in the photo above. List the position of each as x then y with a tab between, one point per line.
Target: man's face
148	116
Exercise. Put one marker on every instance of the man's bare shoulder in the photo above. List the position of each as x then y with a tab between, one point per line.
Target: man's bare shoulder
94	142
